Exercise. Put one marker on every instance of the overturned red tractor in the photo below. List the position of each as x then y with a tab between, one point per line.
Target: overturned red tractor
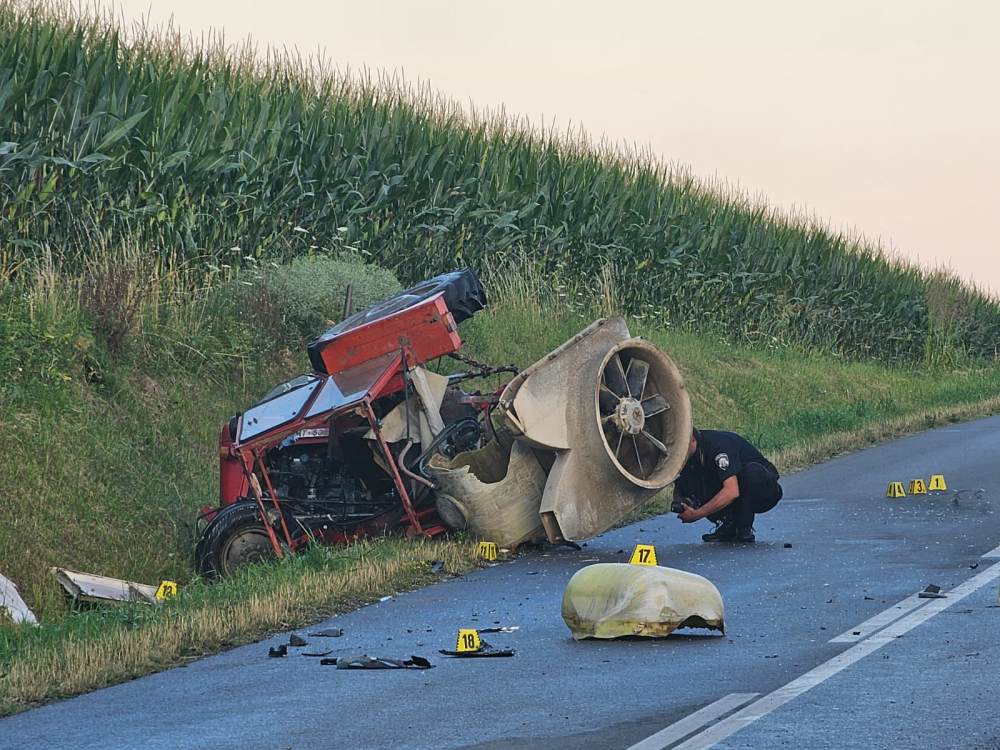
373	442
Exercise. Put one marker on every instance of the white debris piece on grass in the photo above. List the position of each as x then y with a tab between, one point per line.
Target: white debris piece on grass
93	588
14	604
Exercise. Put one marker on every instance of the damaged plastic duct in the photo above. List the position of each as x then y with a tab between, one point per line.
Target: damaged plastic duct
493	493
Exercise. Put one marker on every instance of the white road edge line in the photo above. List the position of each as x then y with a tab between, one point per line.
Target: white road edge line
681	729
879	621
824	671
993	553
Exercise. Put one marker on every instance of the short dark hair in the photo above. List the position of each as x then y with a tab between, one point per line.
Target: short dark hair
696	434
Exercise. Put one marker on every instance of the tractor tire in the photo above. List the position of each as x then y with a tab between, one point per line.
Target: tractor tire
463	294
234	538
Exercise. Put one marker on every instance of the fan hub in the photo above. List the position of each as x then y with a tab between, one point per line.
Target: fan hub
631	419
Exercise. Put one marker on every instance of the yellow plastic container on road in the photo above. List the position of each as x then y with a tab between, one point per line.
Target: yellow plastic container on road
611	600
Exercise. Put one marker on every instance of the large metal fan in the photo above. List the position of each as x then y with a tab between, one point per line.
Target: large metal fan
629	404
615	412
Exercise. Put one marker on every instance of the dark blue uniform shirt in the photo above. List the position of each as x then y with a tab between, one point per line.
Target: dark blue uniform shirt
719	455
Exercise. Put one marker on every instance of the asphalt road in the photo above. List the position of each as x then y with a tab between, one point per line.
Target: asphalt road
826	644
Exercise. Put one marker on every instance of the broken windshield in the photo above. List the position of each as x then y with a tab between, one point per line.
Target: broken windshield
287	386
279	409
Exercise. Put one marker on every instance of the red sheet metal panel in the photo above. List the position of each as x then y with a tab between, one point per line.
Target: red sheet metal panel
426	328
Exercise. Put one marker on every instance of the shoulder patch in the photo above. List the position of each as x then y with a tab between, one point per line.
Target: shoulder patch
722	460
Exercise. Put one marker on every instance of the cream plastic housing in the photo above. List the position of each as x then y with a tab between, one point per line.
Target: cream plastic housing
615	411
612	600
493	493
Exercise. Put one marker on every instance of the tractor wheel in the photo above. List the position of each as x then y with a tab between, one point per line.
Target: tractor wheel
235	538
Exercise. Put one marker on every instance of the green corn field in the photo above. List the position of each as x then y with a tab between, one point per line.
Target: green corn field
209	155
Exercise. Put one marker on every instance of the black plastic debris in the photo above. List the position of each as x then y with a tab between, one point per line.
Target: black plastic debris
932	592
329	633
505	629
294	640
484	649
788	545
364	661
320	653
281	650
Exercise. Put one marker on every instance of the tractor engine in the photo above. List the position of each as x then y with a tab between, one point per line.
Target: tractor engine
314	481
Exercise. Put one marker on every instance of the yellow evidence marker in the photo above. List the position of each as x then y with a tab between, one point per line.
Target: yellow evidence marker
937	483
917	487
488	550
895	490
167	590
643	554
468	640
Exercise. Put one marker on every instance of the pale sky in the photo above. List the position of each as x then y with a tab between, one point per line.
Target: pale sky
876	116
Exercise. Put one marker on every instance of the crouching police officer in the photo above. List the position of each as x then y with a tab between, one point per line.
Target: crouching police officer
726	480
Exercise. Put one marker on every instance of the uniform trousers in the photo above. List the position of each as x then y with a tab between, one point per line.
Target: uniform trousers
759	492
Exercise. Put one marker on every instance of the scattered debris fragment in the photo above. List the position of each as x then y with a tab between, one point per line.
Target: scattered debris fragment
932	592
14	604
505	629
788	545
385	598
321	653
484	649
328	633
974	565
437	566
363	661
280	651
294	640
91	588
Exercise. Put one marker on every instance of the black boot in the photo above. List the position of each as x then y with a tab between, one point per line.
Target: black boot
725	531
745	534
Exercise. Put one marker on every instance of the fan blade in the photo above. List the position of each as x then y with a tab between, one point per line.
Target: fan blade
614	377
659	446
638	460
637	371
608	401
653	406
